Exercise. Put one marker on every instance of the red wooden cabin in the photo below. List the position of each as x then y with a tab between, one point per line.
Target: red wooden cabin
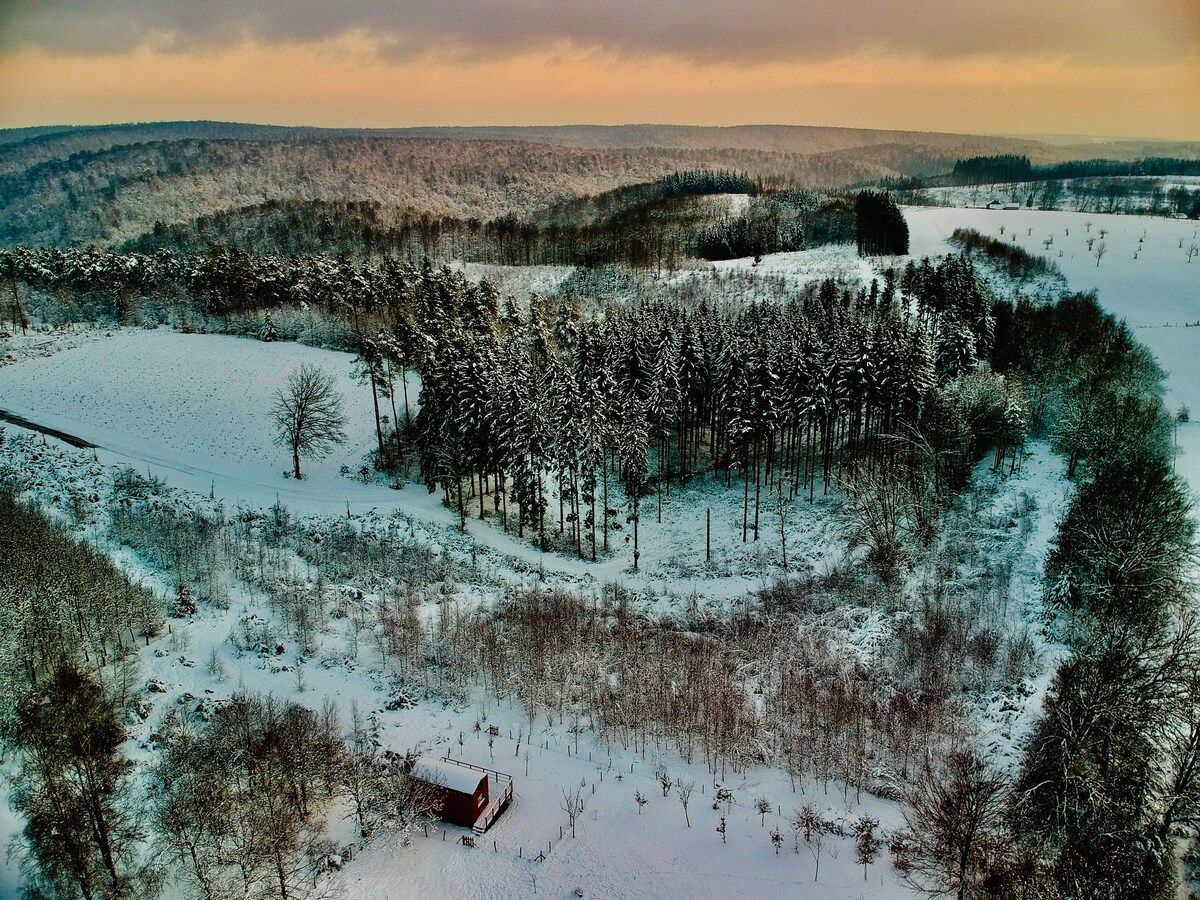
466	796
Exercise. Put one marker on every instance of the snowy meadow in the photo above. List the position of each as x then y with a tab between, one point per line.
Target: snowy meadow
746	578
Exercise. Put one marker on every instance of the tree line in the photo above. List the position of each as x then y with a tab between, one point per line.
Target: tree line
519	411
1015	261
1109	786
1014	167
655	230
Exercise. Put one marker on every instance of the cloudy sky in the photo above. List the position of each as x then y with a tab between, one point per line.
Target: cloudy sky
1100	67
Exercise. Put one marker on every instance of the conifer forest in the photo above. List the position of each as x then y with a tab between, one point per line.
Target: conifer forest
591	511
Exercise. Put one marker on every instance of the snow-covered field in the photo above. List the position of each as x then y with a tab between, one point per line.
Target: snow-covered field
174	393
1157	291
1092	192
616	851
192	410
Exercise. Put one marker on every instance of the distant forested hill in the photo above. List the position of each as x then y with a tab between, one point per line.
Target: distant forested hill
113	184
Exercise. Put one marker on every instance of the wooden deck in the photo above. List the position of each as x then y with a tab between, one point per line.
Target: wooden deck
500	794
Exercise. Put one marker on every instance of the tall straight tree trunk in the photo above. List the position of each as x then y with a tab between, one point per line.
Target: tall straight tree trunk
395	419
462	510
757	487
605	470
502	487
745	498
378	425
637	506
404	381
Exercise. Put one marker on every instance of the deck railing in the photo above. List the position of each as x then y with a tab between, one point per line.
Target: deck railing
494	808
496	804
498	776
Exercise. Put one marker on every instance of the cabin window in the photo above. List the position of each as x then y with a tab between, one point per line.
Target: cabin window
481	799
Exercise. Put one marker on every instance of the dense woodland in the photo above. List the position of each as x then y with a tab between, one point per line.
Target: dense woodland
1010	167
117	194
112	184
1109	777
653	225
566	420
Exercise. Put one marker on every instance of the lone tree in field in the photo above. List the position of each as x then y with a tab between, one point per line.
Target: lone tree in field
308	415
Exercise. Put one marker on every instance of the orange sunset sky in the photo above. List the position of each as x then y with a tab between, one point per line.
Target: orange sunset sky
1068	67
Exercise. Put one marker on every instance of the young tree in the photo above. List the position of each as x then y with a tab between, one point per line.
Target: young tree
308	414
953	821
665	782
572	804
813	828
866	841
9	264
762	806
684	793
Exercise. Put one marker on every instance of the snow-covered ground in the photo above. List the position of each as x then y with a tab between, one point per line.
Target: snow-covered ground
518	281
193	410
1093	192
166	403
1157	291
616	852
744	280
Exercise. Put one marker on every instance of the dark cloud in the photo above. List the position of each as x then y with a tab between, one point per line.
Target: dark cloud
704	30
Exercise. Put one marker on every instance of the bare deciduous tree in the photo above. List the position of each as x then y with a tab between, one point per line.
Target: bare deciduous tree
573	804
953	821
684	793
308	414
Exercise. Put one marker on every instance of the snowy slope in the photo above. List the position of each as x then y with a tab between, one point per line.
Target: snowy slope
1158	293
194	407
615	851
193	410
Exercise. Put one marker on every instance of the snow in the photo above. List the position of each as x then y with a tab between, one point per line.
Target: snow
436	770
792	270
194	407
193	410
1093	190
1158	293
615	851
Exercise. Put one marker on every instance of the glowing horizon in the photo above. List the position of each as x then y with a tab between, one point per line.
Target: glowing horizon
365	69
